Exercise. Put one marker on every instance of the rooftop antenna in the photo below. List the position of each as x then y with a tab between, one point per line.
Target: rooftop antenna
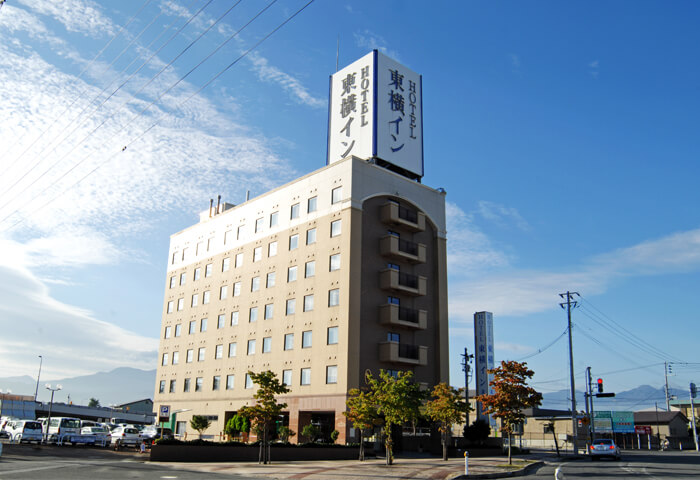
337	52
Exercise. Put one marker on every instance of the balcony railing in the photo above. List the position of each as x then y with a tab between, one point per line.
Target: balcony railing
395	315
409	219
390	279
400	249
396	352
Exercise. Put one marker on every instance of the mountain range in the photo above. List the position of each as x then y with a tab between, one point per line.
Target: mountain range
643	397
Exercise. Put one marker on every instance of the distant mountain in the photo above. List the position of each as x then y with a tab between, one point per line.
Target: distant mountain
118	386
643	397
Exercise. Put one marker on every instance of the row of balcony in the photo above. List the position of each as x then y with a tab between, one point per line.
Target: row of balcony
408	219
396	352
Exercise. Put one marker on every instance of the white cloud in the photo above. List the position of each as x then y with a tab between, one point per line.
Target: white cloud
502	215
514	60
81	16
269	73
372	41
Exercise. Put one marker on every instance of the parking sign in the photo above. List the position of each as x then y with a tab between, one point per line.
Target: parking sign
164	413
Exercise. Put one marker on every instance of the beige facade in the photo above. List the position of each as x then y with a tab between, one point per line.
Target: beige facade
336	273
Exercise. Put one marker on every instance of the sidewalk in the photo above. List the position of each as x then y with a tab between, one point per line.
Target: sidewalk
414	468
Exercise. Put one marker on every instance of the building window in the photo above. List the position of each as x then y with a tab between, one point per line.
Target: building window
223	292
227	237
173	281
167	332
165	359
161	387
293	242
176	358
332	335
219	351
248	381
193	326
289	341
274	219
270	281
335	228
229	382
257	254
334	297
259	224
253	316
291	306
232	349
198	382
195	300
310	269
255	284
207	270
308	303
305	376
186	385
172	386
294	211
306	339
190	356
267	345
200	248
174	257
311	204
237	289
205	297
239	232
269	311
334	263
234	318
336	195
178	330
393	337
311	236
272	249
216	383
225	264
197	273
292	274
171	306
332	374
393	300
251	347
185	253
287	378
183	278
220	321
180	304
393	266
201	354
203	325
239	260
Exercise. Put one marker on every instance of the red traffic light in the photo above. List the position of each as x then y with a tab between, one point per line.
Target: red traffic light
600	385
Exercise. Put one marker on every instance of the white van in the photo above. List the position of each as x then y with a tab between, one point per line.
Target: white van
24	431
64	429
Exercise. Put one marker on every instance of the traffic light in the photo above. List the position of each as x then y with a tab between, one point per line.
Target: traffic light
693	390
600	385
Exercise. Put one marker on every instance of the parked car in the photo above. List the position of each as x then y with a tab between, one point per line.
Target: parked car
24	431
3	425
604	447
63	429
125	435
102	435
153	433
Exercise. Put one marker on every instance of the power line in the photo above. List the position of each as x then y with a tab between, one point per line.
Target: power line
542	349
221	72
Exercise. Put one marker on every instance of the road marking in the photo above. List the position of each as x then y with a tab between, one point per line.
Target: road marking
557	474
168	476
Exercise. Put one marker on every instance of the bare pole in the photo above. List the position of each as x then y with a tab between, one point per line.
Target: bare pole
570	303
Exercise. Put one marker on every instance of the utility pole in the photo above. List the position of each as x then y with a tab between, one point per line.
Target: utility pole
570	303
668	404
466	368
693	394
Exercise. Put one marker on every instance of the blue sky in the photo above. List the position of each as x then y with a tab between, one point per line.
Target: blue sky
565	134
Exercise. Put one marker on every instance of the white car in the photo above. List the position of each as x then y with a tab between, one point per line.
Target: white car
24	431
604	447
125	435
102	435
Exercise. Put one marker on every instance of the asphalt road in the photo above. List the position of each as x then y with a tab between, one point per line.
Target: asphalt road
650	465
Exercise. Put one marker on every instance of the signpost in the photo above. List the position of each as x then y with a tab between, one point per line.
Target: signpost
163	416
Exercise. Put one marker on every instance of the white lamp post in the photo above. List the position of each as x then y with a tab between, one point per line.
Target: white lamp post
48	421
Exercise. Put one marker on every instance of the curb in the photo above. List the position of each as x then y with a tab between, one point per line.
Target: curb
513	473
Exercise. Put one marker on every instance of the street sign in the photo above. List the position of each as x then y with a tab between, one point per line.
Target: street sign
164	413
642	429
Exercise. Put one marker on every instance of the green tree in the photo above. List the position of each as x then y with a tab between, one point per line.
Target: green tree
94	403
311	431
446	407
511	395
285	433
200	423
266	409
334	436
362	412
397	399
237	425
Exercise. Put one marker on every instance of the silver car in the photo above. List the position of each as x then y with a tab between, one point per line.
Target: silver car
604	447
102	435
125	435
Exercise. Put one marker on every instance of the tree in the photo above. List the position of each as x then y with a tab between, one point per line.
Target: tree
447	407
200	423
397	399
266	409
94	403
511	395
285	433
362	412
334	436
237	425
477	431
311	431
